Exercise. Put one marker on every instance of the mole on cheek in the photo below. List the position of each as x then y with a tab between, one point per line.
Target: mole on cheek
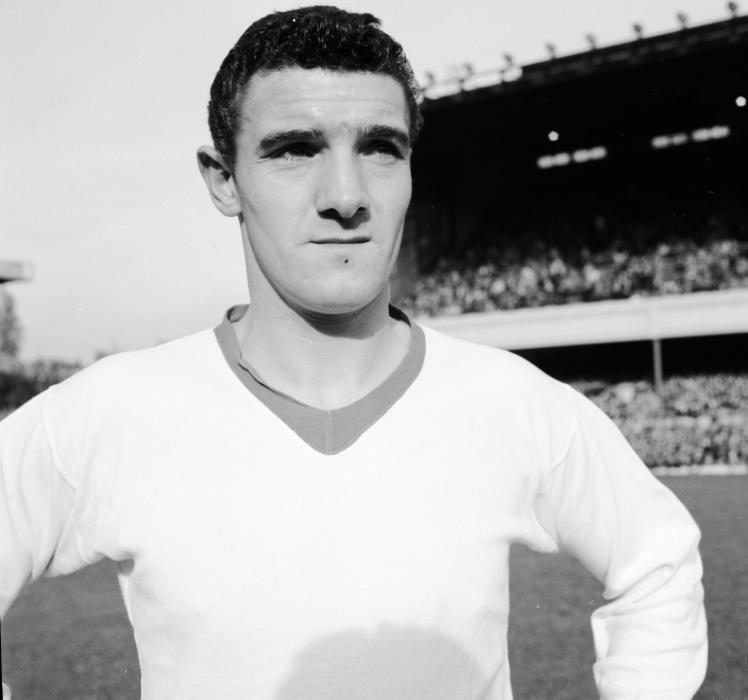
346	261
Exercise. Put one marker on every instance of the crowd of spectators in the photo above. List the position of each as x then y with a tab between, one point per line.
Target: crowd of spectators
515	275
695	420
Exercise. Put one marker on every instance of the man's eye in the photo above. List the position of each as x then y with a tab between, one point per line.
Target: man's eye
294	151
383	148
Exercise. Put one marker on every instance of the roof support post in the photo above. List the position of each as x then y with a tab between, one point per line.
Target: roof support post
657	364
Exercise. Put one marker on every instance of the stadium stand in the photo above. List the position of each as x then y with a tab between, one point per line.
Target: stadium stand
608	175
695	420
602	175
505	276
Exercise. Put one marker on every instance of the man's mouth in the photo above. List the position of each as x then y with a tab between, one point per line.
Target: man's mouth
341	240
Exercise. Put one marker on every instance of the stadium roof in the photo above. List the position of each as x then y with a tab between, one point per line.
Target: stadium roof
14	270
597	60
681	81
656	125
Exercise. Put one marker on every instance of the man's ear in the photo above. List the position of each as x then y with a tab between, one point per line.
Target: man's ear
219	180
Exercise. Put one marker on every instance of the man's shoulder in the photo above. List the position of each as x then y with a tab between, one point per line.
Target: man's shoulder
451	354
489	376
491	394
178	360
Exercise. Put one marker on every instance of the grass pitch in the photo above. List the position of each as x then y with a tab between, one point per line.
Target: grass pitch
69	638
550	642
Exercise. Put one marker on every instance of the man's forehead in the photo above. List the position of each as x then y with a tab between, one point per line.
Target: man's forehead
323	95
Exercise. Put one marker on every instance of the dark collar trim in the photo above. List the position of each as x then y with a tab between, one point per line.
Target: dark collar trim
328	432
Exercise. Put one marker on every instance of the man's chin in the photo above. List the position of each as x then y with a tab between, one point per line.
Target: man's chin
341	303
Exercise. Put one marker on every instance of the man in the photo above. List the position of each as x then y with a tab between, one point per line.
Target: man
316	501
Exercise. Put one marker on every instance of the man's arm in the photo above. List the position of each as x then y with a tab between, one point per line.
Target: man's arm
36	501
603	506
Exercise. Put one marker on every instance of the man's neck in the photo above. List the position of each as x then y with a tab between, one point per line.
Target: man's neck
325	361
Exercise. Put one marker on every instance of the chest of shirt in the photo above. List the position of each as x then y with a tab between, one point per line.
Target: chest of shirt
394	524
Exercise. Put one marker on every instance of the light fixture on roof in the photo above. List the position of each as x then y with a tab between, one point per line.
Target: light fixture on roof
551	49
467	72
720	131
591	40
510	71
638	29
668	140
555	160
581	155
682	18
732	8
553	135
740	101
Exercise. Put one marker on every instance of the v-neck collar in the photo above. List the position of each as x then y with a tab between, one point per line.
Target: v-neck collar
327	431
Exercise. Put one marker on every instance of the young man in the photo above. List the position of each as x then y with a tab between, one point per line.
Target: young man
316	500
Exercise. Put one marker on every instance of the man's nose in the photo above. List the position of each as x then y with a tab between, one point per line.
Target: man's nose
342	190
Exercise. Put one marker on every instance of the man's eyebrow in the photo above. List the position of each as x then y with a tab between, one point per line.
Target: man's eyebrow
280	138
380	131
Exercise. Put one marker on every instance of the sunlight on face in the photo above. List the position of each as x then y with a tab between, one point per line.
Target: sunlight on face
323	178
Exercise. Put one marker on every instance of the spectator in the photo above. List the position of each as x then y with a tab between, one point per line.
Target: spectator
508	278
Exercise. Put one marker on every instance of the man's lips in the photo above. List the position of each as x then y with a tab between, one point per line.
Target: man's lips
341	240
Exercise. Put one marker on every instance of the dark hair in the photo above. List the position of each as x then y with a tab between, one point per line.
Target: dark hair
308	37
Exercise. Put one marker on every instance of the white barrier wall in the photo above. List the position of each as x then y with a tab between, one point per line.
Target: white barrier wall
638	318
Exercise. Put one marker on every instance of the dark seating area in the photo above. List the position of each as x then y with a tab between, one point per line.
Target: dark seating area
510	275
694	420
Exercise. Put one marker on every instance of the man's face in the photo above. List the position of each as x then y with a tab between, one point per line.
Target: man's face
322	175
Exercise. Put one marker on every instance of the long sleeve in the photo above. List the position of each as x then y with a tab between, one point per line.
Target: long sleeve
603	506
36	503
